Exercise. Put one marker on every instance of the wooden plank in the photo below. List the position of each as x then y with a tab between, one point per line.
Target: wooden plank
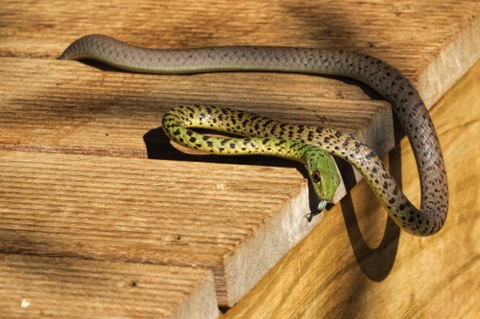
161	212
42	287
51	107
422	45
357	265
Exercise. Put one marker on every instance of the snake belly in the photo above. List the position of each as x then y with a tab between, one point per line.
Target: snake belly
383	78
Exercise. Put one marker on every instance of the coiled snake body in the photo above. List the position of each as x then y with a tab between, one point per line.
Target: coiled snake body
386	80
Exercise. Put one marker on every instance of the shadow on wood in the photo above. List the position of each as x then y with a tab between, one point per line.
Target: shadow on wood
376	263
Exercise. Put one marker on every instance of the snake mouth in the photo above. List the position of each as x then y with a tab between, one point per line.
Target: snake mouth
323	203
314	212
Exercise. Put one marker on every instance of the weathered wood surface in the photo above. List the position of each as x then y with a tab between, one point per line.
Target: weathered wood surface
139	210
370	270
43	287
69	205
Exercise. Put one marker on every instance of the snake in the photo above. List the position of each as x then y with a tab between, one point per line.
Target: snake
385	79
320	165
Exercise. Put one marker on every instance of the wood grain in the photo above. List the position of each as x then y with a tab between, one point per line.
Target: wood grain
125	109
76	139
401	33
40	287
161	212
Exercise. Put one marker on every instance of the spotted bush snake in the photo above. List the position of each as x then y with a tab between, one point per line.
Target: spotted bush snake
383	78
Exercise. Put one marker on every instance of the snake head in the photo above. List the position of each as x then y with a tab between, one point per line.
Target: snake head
323	174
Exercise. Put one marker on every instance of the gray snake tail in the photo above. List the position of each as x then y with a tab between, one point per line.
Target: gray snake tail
385	79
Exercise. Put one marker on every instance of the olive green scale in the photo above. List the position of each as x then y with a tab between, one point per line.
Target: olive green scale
178	123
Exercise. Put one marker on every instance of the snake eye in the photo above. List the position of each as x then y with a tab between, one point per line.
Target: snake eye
316	178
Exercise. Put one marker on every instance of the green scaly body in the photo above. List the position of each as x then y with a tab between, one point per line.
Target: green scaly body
177	124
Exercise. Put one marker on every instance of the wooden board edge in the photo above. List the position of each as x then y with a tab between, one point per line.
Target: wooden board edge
455	59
